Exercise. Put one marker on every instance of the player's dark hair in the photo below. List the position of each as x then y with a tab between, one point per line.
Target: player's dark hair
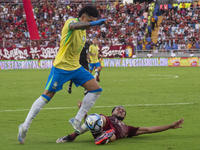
116	107
90	11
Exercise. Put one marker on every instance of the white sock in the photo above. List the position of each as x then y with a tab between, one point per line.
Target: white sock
35	109
88	101
96	73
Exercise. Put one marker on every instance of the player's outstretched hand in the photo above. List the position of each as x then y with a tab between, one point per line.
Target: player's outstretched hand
177	124
107	22
97	22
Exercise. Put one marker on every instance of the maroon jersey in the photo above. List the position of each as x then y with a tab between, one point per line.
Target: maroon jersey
121	129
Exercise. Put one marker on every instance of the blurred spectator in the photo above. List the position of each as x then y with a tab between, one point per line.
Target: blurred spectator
175	46
168	47
173	54
149	55
153	21
50	19
128	24
29	57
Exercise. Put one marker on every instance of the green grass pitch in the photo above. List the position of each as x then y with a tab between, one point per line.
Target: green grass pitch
177	88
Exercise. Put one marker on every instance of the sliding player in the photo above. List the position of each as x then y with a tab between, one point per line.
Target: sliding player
114	128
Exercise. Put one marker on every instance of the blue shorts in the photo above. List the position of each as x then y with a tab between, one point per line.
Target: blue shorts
92	65
58	77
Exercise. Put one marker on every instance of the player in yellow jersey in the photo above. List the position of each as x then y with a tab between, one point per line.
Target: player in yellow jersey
66	67
94	57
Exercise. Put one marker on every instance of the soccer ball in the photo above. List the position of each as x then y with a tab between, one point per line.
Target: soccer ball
94	122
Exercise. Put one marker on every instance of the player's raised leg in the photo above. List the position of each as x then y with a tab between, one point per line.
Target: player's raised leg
88	102
85	79
35	109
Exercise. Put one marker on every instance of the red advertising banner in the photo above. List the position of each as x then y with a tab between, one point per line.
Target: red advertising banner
50	52
23	53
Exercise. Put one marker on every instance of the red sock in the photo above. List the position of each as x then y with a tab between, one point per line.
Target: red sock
73	136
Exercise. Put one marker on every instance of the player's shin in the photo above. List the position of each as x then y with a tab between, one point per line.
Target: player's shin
35	109
88	101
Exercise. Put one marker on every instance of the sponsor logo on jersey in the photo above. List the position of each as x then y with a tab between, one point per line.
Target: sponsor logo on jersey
83	38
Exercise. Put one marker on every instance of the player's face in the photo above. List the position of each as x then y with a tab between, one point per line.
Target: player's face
86	18
119	112
95	41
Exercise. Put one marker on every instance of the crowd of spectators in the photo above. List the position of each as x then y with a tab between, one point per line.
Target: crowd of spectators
128	23
180	28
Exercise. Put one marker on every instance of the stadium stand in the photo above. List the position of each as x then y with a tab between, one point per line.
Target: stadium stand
178	24
126	22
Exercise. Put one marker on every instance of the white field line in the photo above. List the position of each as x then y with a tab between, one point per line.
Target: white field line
157	76
162	104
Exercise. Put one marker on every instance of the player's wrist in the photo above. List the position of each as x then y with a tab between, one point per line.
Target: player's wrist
171	126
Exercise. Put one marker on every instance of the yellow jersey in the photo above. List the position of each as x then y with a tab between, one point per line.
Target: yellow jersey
94	50
71	45
189	46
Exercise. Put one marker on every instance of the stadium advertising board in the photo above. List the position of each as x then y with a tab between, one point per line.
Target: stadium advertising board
117	51
23	53
105	62
25	64
183	62
134	62
50	52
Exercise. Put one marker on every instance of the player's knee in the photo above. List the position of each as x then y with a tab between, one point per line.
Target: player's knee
49	93
98	91
46	98
100	68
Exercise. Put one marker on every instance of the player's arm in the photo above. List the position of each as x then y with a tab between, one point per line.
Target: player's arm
88	57
79	25
86	25
154	129
93	54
